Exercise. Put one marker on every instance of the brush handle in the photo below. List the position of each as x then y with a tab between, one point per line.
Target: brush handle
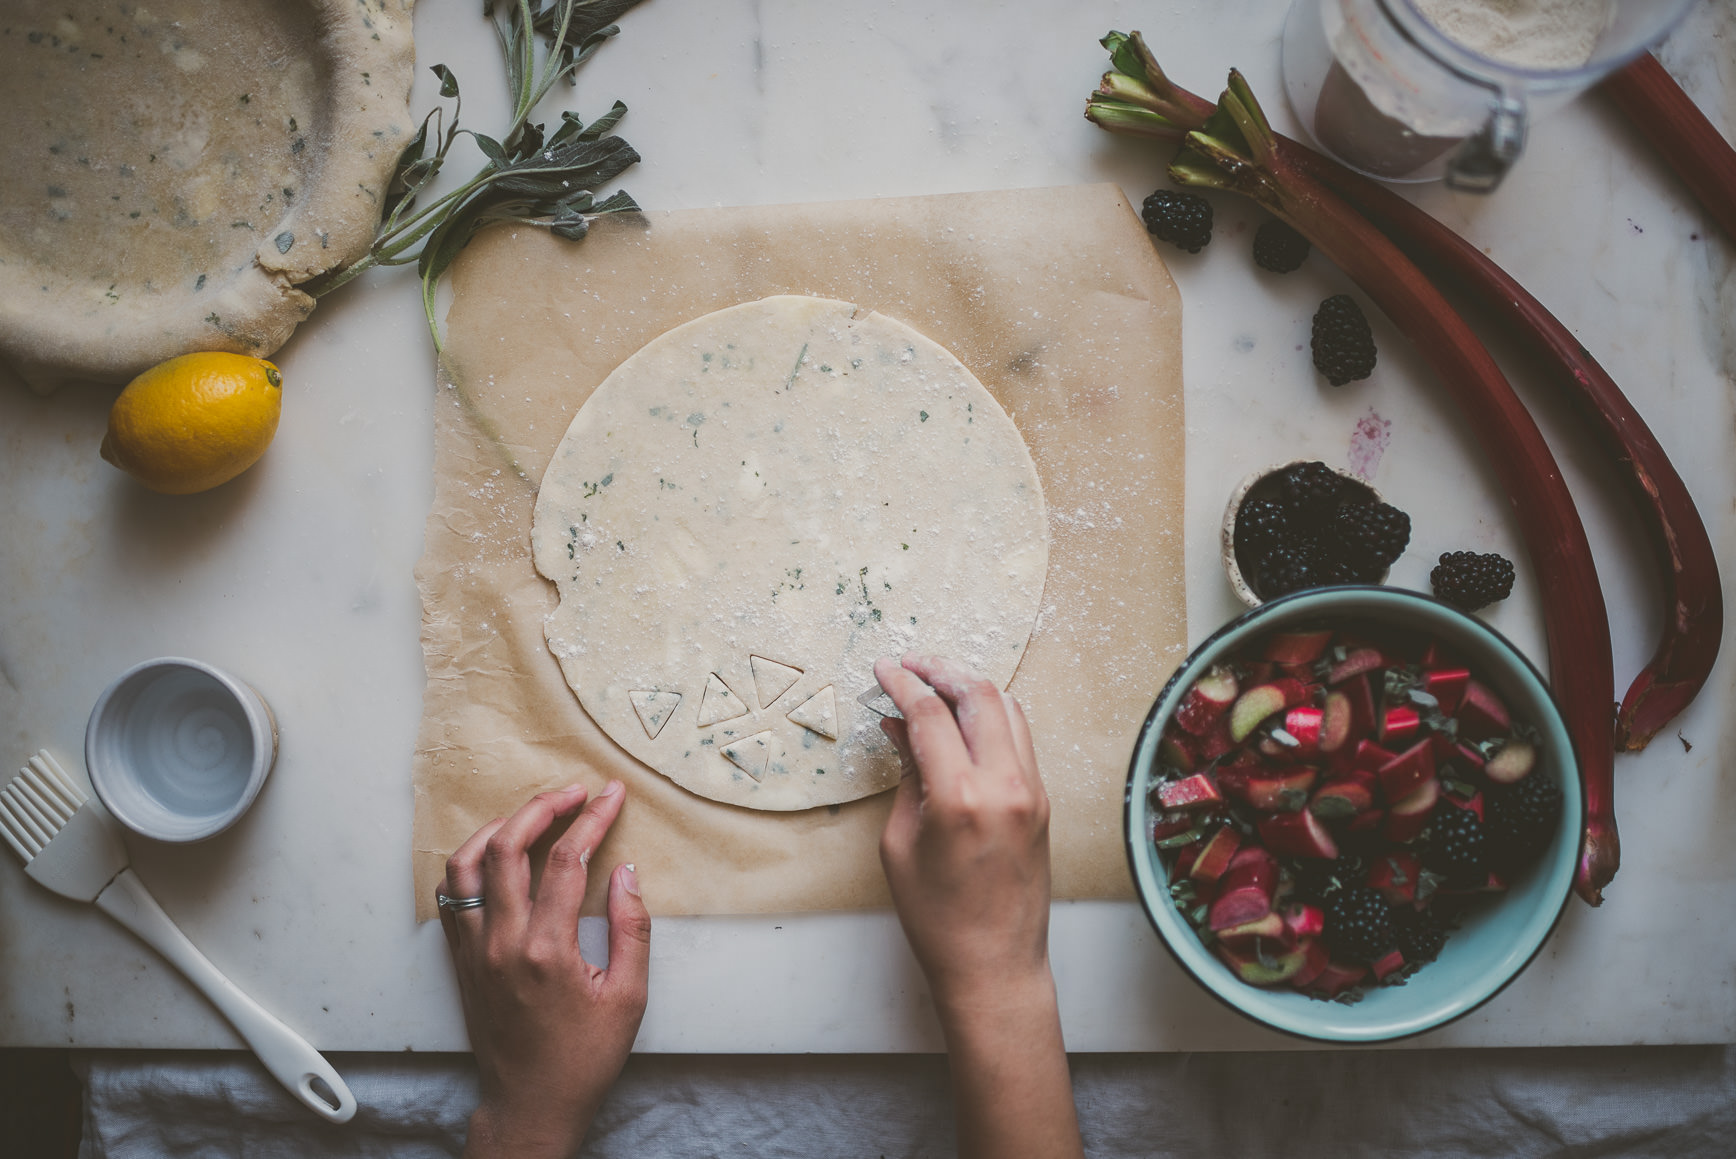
285	1053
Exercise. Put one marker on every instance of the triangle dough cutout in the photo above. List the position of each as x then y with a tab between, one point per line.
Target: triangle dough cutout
818	713
771	679
750	754
654	709
718	703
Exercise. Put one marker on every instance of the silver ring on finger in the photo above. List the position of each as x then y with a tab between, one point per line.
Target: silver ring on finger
457	903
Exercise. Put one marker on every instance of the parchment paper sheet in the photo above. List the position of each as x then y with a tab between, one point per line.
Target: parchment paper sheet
1054	298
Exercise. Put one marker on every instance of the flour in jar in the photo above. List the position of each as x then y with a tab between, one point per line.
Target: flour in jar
1539	34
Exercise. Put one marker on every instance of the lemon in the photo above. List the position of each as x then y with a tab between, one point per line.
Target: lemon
193	422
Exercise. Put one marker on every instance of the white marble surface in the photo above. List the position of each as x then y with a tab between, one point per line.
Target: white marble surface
298	576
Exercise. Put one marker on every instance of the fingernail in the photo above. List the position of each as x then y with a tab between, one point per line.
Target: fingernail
630	879
571	790
609	790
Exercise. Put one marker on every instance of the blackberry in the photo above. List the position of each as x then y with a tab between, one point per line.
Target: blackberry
1312	490
1260	523
1343	344
1359	924
1319	881
1522	818
1292	563
1279	248
1470	581
1456	847
1184	220
1375	532
1335	569
1421	935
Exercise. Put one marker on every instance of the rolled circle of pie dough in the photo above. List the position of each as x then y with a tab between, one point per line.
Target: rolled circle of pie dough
752	509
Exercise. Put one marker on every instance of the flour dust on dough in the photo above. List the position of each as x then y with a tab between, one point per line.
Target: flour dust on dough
751	510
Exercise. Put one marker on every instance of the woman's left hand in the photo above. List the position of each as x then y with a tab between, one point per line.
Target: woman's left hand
550	1031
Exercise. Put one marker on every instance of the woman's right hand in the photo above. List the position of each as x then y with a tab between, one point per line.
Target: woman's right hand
966	852
966	849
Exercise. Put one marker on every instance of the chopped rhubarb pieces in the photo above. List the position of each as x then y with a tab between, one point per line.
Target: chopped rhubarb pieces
1315	958
1387	964
1215	743
1467	760
1214	856
1192	792
1369	822
1170	824
1482	715
1471	804
1336	978
1279	773
1297	647
1447	686
1406	820
1297	835
1176	750
1396	875
1269	789
1253	707
1405	773
1512	762
1359	662
1363	717
1303	724
1245	890
1268	927
1257	970
1340	800
1369	756
1304	921
1398	725
1185	857
1335	722
1208	699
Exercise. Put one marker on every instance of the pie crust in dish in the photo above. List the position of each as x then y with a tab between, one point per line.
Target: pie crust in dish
173	171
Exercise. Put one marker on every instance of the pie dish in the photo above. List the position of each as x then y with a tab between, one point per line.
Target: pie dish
172	175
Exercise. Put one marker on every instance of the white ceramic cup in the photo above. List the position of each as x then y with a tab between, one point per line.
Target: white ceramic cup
177	749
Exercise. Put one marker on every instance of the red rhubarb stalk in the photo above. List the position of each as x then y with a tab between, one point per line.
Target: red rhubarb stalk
1694	610
1698	153
1693	624
1236	150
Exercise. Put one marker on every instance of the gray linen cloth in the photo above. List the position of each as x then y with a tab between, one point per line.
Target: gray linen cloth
1669	1102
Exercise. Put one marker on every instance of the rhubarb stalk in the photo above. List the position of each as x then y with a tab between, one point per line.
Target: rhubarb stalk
1694	148
1693	624
1236	150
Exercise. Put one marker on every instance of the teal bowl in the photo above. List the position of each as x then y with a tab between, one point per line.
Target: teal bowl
1496	942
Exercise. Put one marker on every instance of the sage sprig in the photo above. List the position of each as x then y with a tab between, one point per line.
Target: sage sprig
545	180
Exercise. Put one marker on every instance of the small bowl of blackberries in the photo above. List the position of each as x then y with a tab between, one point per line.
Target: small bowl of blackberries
1304	524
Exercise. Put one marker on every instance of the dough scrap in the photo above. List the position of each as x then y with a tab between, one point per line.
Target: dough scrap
751	754
771	679
818	713
172	172
719	703
793	478
654	709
